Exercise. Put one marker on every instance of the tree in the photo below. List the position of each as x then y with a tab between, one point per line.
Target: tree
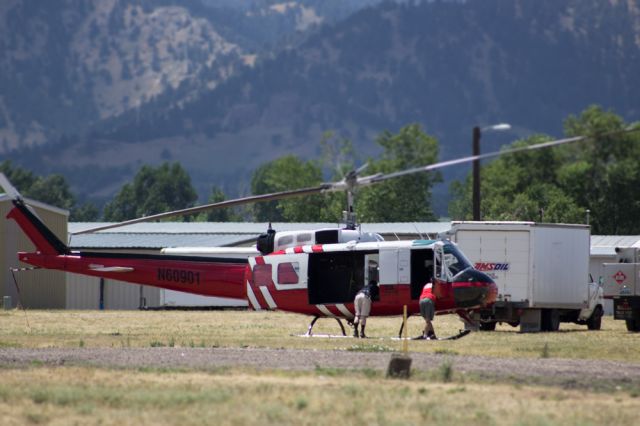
22	179
153	190
403	199
282	174
600	174
605	175
52	189
218	215
522	186
87	212
290	172
337	160
406	198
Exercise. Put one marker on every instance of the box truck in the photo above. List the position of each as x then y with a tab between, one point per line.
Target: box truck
622	284
541	271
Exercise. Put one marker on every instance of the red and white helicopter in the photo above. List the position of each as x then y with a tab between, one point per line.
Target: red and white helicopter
313	272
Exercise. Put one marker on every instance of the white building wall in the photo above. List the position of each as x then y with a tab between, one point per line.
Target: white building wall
39	289
83	292
170	298
122	295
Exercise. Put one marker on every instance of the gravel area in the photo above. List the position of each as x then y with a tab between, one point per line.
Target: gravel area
549	370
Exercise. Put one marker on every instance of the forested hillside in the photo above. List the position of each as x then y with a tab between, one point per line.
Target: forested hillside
68	64
446	65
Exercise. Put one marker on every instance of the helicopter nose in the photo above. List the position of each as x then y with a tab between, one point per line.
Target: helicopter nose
492	293
473	288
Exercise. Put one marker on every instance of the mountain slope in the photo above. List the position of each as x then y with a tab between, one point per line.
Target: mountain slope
67	64
447	65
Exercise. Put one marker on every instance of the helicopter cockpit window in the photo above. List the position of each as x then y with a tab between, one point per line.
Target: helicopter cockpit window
438	269
303	238
285	240
288	273
262	274
454	260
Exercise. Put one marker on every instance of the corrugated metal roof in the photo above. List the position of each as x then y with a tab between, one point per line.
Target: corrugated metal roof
614	240
605	245
157	235
257	228
219	234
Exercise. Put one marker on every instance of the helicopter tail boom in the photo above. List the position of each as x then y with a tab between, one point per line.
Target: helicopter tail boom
211	276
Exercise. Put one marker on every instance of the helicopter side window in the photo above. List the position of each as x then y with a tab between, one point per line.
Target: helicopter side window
285	240
288	273
303	238
262	274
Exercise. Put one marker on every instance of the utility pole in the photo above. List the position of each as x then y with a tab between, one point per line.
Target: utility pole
477	131
476	174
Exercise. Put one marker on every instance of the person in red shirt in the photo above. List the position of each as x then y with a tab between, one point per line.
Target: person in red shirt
427	310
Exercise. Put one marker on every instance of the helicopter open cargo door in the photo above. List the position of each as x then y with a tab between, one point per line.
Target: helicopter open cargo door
395	266
422	270
335	277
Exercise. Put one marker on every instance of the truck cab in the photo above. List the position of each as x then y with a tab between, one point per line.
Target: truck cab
592	314
622	284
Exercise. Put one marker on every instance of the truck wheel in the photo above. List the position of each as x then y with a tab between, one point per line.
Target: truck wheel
595	320
633	325
488	326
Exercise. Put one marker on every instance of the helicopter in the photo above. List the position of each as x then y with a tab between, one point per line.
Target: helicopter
311	272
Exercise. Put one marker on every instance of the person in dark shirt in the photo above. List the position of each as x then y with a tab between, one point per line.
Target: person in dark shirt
362	304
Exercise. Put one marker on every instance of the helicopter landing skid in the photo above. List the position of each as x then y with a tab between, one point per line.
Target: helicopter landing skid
462	333
313	322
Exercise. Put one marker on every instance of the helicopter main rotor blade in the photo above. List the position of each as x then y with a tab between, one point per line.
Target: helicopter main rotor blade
9	189
345	184
325	187
379	177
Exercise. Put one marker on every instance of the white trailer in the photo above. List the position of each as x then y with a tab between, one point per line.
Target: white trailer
541	271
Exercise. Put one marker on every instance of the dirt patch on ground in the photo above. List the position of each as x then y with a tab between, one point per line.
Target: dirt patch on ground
546	370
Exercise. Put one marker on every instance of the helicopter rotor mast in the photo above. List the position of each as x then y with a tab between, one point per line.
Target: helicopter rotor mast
351	184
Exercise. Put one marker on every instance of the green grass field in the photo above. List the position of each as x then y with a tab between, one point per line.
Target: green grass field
40	394
37	329
71	395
